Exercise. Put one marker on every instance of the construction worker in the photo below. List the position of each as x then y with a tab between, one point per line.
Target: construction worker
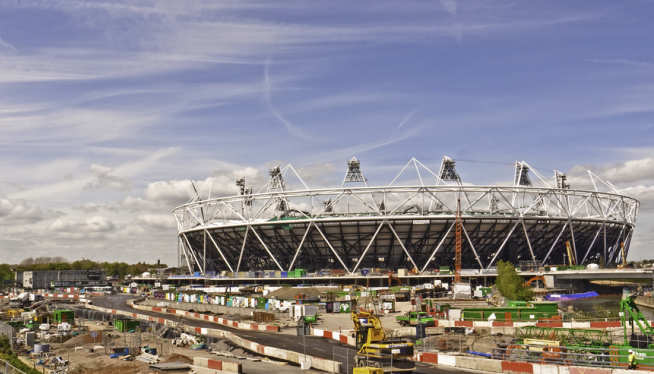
632	359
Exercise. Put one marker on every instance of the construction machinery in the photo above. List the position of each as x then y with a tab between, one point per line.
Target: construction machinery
587	346
414	318
640	343
374	349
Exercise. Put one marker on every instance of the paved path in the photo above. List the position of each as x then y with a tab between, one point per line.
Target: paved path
315	346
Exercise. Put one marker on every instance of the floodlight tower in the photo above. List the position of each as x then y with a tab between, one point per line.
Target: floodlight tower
354	173
277	184
521	177
448	171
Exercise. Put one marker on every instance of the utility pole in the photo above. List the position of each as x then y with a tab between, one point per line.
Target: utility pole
457	246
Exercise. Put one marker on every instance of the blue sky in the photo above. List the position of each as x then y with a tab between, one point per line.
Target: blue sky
108	108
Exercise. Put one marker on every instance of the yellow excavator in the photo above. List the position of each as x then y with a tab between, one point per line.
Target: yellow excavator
375	350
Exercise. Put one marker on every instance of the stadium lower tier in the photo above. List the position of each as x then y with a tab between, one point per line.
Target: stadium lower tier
353	244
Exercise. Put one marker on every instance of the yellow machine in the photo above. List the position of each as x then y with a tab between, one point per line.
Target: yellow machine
13	313
367	370
375	350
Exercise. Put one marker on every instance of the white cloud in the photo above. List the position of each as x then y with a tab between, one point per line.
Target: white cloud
158	221
449	6
173	192
93	224
19	210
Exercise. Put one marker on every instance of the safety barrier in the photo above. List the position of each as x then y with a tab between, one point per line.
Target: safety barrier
220	365
306	361
605	324
342	337
517	367
250	326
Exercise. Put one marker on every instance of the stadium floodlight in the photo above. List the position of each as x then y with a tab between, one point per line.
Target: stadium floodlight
561	180
448	170
521	177
354	173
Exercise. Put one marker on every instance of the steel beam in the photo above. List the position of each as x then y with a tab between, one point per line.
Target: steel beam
330	247
554	243
472	246
499	250
299	247
402	245
440	243
266	248
218	249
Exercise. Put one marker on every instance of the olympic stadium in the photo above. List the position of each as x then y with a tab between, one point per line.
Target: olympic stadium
356	226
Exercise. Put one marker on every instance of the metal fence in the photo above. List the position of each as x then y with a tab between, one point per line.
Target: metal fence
8	331
579	356
7	368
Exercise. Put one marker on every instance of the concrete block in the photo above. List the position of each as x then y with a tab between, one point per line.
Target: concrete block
545	369
588	370
581	325
447	360
203	370
482	364
201	361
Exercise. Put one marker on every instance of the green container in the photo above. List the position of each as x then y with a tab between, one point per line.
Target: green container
126	325
63	315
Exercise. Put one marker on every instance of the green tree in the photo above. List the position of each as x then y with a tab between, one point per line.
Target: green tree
510	284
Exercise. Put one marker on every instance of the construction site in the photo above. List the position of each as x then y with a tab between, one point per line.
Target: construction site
360	279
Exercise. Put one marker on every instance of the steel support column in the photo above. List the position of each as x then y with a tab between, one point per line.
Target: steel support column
499	250
440	243
363	254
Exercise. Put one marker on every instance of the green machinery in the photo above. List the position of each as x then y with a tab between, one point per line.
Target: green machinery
566	337
516	311
591	346
641	343
414	318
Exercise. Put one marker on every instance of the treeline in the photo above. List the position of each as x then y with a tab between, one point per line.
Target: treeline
116	269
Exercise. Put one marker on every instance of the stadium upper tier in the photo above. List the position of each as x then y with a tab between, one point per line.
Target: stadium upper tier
356	226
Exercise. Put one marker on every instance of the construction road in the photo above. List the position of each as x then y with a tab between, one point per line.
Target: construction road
311	345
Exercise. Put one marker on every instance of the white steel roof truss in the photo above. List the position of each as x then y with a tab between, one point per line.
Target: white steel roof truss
499	250
192	251
219	250
245	239
299	247
472	246
554	242
440	243
365	251
531	250
266	248
591	245
402	245
331	247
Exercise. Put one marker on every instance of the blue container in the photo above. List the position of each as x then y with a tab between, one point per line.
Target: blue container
284	274
365	272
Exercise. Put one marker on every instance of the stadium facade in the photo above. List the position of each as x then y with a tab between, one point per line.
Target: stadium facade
406	225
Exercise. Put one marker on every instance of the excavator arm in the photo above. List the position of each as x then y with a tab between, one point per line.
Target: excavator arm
631	314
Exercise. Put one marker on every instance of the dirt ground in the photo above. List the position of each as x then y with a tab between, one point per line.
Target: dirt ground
78	351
